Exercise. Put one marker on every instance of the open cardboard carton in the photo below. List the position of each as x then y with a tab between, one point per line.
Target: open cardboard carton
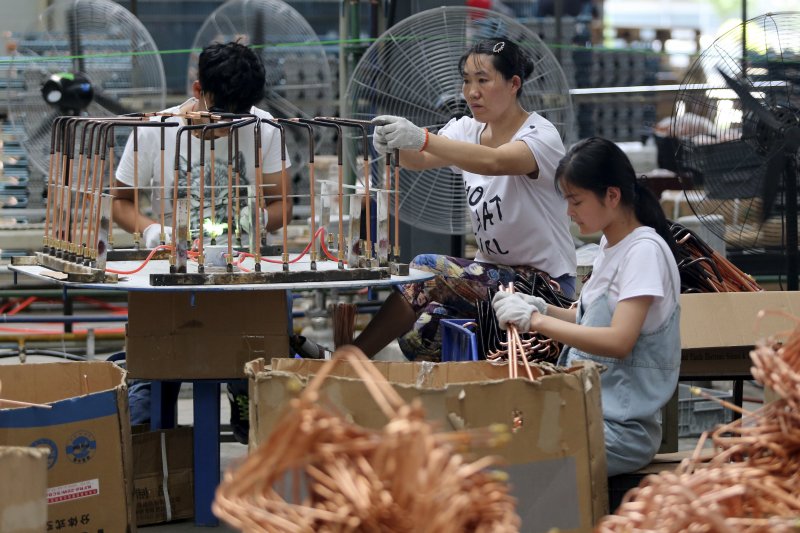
87	433
23	489
556	458
163	480
718	330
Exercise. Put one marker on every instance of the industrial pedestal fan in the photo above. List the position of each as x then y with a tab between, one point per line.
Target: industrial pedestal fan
81	57
298	77
743	159
411	70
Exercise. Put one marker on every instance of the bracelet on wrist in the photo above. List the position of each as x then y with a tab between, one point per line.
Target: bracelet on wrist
425	143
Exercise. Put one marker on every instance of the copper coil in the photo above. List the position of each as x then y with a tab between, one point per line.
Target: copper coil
319	472
752	483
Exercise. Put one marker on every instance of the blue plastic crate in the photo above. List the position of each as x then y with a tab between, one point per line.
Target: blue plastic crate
458	343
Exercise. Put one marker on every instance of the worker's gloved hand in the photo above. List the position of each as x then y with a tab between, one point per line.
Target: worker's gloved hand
379	141
401	133
246	223
515	311
151	236
539	303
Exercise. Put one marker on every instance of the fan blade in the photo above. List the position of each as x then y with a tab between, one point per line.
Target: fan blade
110	103
749	102
772	179
285	106
43	127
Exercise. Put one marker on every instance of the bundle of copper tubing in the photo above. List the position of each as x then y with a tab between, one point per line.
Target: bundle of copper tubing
518	350
337	476
752	484
703	269
535	347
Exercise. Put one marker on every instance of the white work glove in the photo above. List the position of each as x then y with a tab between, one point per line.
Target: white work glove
514	310
379	141
539	303
152	235
401	133
244	219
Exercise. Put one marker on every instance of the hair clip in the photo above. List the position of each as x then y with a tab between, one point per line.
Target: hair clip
498	47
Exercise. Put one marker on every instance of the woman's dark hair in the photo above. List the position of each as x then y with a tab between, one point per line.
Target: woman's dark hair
507	58
596	164
234	74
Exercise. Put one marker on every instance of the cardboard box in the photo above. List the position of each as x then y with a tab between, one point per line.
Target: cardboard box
556	459
718	330
163	481
674	204
87	432
203	334
23	489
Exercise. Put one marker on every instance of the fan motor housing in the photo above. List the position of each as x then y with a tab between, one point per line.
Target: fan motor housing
69	93
765	137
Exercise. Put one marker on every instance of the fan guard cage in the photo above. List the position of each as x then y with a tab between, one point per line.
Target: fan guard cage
97	38
411	70
298	76
722	148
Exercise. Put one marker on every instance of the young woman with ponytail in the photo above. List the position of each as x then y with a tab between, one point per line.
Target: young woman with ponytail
628	314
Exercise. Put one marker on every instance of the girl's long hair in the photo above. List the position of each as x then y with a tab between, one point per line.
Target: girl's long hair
596	164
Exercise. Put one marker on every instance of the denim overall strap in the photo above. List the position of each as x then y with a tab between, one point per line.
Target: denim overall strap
634	388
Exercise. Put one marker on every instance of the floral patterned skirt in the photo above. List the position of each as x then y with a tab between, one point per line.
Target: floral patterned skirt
459	283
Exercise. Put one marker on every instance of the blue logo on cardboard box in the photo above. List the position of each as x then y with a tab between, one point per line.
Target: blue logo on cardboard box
81	447
52	450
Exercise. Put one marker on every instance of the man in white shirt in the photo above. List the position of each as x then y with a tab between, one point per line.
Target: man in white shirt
231	80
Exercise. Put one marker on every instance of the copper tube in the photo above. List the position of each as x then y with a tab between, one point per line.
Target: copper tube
87	193
313	187
306	124
208	131
201	210
212	184
340	197
397	205
181	129
111	181
368	246
388	186
97	185
58	196
78	189
258	192
362	125
50	176
64	175
136	233
162	192
238	173
229	259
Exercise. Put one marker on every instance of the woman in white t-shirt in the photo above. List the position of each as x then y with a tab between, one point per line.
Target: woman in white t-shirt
507	157
628	314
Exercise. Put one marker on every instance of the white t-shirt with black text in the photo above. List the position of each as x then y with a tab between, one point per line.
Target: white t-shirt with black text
641	264
519	220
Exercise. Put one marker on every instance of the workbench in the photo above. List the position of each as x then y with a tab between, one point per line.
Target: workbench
206	392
